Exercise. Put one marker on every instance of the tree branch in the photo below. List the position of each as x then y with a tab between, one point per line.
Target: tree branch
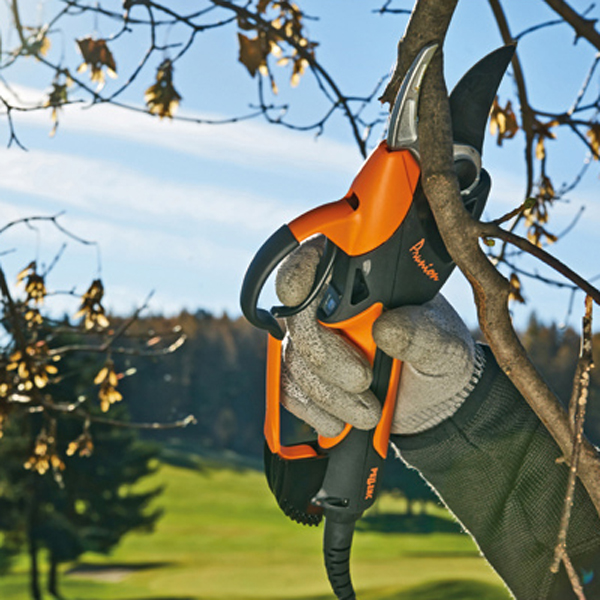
527	116
302	51
76	411
579	397
460	234
428	23
492	230
584	28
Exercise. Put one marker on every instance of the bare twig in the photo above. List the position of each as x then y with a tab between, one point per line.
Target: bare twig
54	220
12	134
527	117
577	409
512	214
573	577
93	349
538	277
585	86
385	9
75	410
584	28
537	27
491	230
127	323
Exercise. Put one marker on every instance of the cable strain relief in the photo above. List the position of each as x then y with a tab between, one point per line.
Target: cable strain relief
337	544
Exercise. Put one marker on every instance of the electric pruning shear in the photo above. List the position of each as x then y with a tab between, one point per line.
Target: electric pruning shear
383	250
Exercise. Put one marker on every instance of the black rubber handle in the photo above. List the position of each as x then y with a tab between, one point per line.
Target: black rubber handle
271	253
350	487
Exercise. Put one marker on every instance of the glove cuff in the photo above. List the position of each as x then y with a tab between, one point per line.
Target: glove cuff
436	413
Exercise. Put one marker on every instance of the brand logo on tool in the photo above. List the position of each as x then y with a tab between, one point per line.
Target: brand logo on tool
426	267
371	483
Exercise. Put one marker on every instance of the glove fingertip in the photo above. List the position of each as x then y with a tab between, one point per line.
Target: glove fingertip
295	276
393	333
365	412
302	407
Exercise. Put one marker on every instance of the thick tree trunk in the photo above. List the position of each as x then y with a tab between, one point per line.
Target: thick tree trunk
32	541
34	575
53	576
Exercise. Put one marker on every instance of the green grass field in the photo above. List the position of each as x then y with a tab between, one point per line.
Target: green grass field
223	538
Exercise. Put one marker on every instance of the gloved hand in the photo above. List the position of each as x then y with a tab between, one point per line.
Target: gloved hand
325	380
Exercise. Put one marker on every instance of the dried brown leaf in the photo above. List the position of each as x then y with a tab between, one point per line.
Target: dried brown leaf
503	121
253	53
593	133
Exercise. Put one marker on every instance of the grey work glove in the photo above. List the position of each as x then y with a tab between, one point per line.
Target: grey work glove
325	379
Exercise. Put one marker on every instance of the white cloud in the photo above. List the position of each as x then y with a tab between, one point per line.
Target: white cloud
114	192
258	144
189	240
184	270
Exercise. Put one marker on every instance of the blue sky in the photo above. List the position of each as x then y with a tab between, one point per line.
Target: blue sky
181	208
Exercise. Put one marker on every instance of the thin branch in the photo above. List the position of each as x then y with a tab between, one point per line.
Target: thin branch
11	128
76	411
538	277
55	260
586	142
54	220
584	28
577	408
386	10
94	349
98	99
566	188
127	324
572	224
17	21
512	214
527	118
573	577
144	60
27	221
527	115
538	27
585	86
493	231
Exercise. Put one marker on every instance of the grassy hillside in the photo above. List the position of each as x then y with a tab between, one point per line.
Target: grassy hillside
223	538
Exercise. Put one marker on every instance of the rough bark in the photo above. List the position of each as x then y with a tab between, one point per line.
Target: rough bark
428	23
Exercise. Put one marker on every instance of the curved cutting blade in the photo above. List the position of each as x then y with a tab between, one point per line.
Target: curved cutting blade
402	132
471	99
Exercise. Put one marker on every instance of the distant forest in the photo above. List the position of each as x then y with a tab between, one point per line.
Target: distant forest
218	376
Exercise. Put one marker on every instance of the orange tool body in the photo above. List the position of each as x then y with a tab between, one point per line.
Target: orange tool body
383	250
374	208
